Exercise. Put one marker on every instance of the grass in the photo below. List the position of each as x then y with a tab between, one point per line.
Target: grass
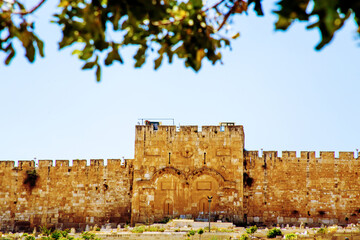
142	228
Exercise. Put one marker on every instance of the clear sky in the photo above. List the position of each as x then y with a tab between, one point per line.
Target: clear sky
287	95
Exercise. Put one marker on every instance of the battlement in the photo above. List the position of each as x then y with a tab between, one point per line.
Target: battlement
190	129
324	155
58	164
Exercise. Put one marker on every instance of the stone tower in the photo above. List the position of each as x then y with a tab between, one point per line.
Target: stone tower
175	170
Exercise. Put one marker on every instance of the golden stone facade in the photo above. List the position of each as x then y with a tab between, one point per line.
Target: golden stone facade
173	173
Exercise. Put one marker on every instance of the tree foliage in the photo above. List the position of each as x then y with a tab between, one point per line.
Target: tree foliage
190	30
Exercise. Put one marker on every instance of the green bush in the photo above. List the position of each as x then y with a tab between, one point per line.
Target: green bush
65	233
273	233
154	229
291	236
321	231
30	238
192	232
56	234
45	238
138	229
244	237
45	231
142	228
225	230
251	230
88	236
200	231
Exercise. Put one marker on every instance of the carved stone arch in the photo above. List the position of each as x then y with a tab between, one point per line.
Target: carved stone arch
170	197
169	170
205	184
207	171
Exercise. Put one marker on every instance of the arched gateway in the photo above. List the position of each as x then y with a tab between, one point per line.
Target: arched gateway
173	194
175	172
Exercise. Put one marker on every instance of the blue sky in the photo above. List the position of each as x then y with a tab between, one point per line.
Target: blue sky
287	95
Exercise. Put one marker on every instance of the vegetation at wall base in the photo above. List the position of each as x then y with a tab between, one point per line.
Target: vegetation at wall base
143	228
291	236
251	230
244	237
274	232
322	231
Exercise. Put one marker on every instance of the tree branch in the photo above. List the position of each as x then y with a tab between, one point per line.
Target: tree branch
215	6
23	13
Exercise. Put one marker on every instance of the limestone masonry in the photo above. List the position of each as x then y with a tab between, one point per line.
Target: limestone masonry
171	176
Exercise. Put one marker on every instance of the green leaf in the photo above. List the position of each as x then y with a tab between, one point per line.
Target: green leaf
40	45
113	56
197	4
257	7
282	23
158	62
76	52
88	65
30	52
98	73
10	57
236	36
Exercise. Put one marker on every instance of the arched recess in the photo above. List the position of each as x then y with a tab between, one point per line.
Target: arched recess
207	171
170	199
202	186
169	170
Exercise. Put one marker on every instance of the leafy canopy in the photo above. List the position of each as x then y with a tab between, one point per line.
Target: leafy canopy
191	30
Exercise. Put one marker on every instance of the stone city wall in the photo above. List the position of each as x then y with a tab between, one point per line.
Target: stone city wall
173	173
64	196
290	189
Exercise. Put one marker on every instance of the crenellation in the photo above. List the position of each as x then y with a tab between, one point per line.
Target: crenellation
77	163
346	155
26	164
307	155
7	164
62	163
115	163
45	163
270	155
251	154
188	129
327	155
288	154
97	162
